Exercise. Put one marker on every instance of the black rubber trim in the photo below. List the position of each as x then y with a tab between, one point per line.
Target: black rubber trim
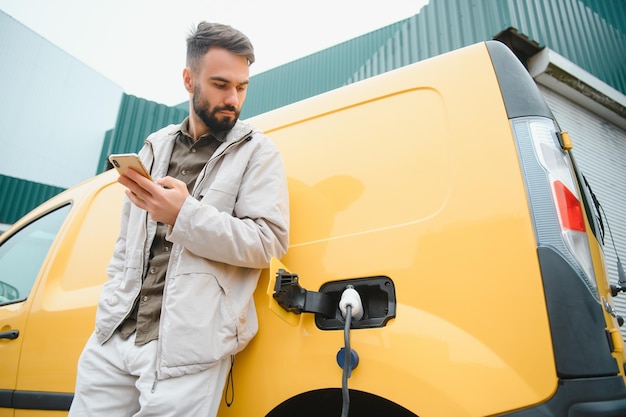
6	398
592	397
35	400
521	95
577	324
615	408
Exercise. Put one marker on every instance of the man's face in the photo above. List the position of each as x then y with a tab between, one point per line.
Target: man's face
219	89
210	115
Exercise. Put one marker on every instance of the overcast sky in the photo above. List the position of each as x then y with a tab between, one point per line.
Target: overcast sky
140	44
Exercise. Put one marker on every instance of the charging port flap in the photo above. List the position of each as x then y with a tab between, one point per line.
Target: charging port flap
288	316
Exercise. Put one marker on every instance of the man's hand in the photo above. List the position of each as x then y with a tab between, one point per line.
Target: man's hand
162	200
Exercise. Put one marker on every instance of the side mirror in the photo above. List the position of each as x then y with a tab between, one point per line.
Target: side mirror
8	292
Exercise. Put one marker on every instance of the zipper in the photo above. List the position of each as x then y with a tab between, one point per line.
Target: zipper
202	176
175	251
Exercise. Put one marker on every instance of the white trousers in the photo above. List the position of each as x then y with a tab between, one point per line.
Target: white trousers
118	379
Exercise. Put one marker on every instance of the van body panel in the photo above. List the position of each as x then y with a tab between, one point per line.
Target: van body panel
58	316
416	176
69	293
343	204
449	346
13	318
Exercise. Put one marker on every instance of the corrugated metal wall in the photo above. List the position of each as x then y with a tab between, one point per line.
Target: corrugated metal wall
137	118
590	33
313	74
18	197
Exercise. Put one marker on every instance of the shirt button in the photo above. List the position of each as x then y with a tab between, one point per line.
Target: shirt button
153	270
184	172
166	249
193	150
144	298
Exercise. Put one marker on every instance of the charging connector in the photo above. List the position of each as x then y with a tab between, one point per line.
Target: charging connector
351	297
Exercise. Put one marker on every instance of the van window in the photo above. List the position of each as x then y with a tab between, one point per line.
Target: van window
22	255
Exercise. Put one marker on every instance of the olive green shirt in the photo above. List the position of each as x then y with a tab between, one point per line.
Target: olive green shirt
187	160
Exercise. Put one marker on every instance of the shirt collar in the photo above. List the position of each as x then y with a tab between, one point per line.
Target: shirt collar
184	129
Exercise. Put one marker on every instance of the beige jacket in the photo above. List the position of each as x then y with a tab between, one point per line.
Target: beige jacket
235	221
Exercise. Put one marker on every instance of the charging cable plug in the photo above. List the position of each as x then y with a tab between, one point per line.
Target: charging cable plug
350	297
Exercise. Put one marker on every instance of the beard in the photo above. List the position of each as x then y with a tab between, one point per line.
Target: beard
203	110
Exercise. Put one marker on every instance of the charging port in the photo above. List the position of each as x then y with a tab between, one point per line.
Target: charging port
378	296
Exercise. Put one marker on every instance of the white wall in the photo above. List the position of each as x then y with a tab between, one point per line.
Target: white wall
54	110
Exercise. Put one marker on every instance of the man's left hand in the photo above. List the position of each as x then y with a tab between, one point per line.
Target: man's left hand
162	200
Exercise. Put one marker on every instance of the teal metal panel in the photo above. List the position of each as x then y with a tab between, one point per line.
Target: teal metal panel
612	11
18	197
137	118
313	74
107	144
590	33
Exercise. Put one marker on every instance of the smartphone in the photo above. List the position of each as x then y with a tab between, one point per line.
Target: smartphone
121	162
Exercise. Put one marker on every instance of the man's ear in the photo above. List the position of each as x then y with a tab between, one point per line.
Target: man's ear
188	80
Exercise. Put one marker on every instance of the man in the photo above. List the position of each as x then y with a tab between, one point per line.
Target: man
178	303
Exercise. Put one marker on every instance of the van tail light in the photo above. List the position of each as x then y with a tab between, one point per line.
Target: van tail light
569	208
573	227
550	178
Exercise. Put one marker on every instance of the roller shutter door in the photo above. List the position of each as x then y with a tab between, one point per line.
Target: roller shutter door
600	151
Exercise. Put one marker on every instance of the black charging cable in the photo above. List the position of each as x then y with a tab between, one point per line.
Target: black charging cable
345	407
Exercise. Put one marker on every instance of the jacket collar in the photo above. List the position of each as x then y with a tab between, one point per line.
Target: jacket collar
161	142
239	131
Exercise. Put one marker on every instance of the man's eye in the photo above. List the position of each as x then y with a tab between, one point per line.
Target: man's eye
242	88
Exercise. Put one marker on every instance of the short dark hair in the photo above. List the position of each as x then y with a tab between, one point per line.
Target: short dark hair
207	35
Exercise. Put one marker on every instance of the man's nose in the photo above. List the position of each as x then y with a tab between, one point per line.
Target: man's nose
232	97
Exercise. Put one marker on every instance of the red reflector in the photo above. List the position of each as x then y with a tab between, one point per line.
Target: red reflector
569	208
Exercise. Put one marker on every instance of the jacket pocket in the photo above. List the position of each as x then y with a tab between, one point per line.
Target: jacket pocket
116	297
197	323
222	194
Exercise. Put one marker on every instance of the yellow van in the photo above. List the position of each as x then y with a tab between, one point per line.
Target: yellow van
443	262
